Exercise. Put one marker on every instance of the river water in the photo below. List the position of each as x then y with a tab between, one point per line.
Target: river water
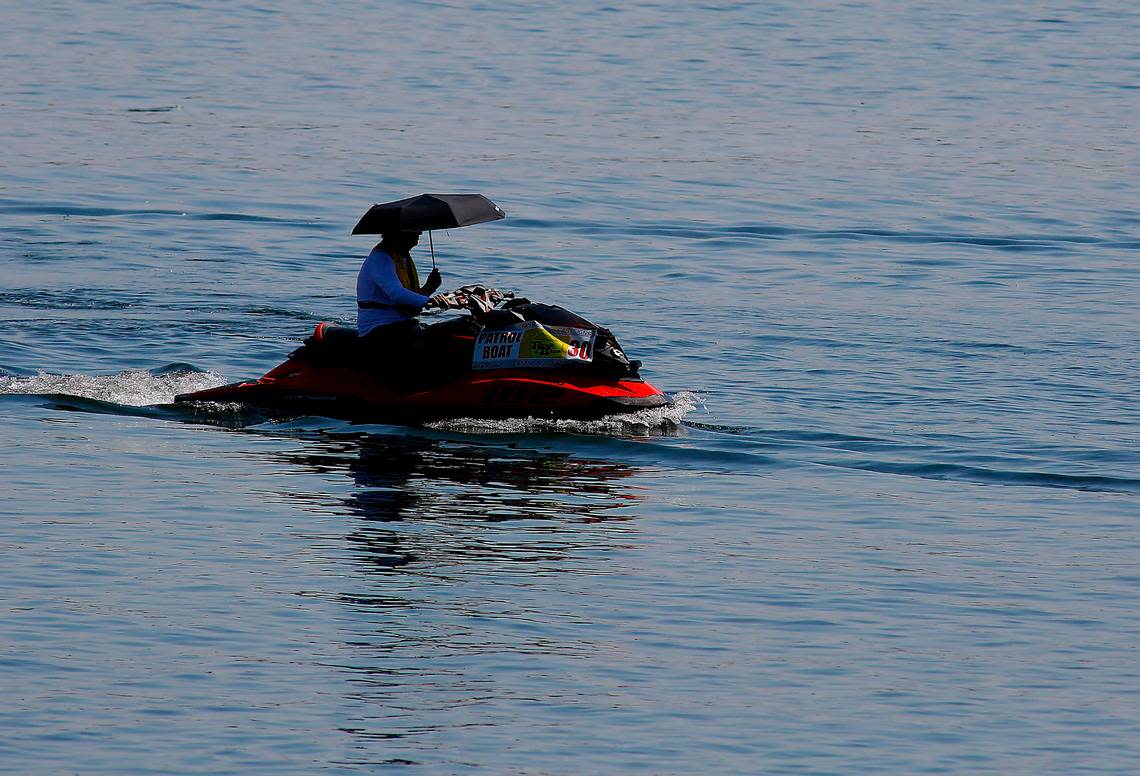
884	255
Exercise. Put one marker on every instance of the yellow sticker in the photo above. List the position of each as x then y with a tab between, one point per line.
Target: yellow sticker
540	343
529	344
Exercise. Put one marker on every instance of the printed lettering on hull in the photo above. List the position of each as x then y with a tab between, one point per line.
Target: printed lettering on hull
530	344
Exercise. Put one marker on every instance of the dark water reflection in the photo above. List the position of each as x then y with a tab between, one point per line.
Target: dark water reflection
404	476
450	579
441	501
449	491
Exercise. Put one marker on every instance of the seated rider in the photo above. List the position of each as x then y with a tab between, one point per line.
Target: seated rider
388	291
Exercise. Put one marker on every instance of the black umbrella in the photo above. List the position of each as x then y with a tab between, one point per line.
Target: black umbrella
427	212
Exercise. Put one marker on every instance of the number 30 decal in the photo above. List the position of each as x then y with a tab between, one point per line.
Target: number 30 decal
579	350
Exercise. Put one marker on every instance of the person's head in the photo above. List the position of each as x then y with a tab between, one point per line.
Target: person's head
400	241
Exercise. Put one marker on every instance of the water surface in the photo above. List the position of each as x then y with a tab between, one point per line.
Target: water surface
885	256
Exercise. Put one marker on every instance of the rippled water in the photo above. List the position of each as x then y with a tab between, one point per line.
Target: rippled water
884	257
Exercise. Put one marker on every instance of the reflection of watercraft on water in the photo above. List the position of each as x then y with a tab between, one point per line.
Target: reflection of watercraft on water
481	501
398	477
519	359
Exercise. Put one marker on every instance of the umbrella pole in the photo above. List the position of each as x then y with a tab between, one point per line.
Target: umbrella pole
432	247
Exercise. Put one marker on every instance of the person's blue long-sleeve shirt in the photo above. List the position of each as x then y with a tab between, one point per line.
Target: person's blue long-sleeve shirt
383	296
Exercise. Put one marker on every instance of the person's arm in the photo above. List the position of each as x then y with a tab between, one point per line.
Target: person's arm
383	274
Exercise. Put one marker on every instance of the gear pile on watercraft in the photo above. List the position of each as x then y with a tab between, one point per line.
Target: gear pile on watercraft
506	357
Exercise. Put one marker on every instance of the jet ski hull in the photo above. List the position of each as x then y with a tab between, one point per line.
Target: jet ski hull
345	393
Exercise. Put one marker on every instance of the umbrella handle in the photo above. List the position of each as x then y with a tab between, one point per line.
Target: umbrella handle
432	248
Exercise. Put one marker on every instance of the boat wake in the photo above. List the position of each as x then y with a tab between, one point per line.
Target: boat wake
655	421
134	388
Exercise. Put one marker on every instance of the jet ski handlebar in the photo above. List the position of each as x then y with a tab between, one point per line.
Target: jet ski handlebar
477	299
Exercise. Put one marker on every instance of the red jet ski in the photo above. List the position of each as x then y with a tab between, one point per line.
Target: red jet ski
506	358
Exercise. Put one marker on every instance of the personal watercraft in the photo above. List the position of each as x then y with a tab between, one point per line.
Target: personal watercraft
504	357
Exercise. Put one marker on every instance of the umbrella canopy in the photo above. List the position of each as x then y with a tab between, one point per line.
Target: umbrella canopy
427	212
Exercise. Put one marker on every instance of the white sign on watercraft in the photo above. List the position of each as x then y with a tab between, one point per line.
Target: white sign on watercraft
530	344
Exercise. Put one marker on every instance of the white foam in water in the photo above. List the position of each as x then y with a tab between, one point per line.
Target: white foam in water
136	388
641	422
